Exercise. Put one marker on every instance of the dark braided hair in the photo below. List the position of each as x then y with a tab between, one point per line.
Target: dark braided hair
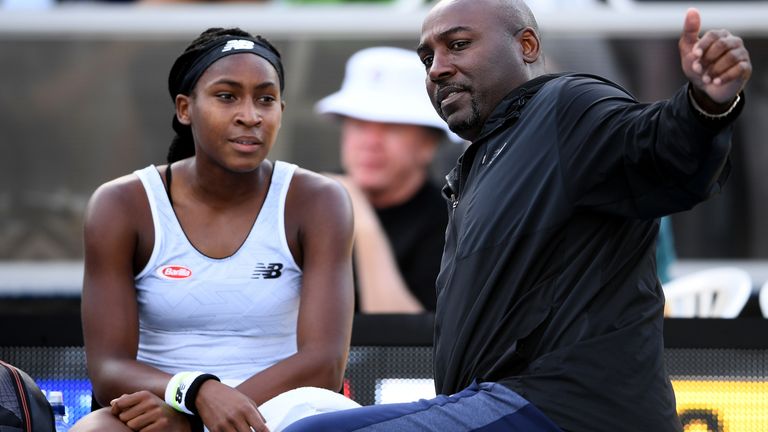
183	145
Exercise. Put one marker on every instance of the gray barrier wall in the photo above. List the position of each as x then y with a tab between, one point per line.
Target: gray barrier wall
84	100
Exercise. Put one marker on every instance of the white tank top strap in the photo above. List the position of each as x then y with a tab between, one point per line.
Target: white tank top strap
271	217
159	205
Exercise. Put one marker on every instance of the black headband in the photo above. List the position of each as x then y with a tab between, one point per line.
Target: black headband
190	66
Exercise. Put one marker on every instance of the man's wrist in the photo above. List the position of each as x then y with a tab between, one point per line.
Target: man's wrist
713	113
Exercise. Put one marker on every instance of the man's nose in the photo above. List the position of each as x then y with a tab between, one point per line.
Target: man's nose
440	68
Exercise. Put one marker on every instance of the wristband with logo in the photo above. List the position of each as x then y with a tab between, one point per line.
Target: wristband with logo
182	389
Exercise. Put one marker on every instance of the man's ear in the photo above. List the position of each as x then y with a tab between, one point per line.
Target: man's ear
530	45
182	109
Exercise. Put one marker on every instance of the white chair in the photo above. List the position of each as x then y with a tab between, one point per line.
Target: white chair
764	299
719	292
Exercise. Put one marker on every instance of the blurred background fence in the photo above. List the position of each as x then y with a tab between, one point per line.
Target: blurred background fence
84	100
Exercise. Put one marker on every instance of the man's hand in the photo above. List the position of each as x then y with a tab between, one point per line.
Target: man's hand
717	64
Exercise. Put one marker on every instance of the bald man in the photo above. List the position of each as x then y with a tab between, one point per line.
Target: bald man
549	311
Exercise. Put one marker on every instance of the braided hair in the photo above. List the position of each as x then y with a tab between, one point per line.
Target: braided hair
183	145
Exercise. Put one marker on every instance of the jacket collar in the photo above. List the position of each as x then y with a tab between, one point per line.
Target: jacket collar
507	110
512	103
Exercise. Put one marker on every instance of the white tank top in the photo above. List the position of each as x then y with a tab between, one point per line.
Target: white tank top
231	317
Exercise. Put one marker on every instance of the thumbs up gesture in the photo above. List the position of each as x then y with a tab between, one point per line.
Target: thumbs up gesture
717	64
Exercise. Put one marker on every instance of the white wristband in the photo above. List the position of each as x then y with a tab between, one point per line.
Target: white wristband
177	389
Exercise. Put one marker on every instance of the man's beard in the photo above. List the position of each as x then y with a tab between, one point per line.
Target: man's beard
471	122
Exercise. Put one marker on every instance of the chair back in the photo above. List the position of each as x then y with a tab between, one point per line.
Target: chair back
719	292
764	299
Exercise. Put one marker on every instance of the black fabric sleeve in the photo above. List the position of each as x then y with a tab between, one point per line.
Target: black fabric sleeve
638	160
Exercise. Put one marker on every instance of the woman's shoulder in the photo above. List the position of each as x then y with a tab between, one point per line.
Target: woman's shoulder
314	192
311	183
126	186
124	194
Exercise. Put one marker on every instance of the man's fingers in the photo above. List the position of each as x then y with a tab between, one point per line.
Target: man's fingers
735	72
725	61
691	30
725	58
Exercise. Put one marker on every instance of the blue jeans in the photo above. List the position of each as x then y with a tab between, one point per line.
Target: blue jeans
486	407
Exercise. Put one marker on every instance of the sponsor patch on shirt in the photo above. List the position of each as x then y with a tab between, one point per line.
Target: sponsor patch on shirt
173	271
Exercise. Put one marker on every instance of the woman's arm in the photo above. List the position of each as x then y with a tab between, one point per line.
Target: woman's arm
119	236
116	215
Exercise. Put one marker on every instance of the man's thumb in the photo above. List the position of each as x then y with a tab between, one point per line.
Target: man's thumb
691	29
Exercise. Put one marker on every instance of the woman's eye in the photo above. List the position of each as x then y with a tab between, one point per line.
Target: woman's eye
225	96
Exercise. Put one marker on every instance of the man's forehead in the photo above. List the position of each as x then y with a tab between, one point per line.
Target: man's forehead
463	6
453	13
451	21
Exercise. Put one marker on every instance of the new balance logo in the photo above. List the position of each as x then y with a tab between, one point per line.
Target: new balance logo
238	44
267	271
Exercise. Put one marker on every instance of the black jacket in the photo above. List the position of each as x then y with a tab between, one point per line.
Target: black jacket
548	281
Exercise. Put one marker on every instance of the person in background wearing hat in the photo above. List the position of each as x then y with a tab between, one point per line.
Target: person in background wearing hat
389	136
218	287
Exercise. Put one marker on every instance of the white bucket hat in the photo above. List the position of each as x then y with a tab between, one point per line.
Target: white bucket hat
384	84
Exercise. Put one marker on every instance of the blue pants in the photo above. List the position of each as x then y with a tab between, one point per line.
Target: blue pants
486	407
